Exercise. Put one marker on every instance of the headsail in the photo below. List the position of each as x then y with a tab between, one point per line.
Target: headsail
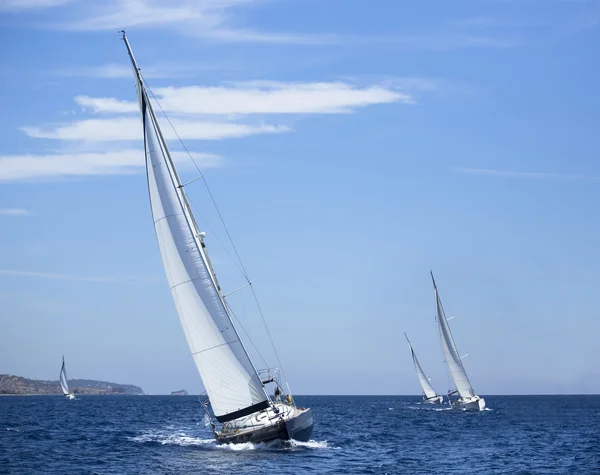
423	379
229	377
63	378
451	355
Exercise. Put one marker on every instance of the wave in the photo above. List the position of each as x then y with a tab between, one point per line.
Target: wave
184	440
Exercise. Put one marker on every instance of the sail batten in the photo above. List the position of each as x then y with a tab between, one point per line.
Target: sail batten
228	375
451	354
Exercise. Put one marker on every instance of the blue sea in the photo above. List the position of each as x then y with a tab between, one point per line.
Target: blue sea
352	435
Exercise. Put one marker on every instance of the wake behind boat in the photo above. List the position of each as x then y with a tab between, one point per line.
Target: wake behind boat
429	395
467	400
238	396
63	381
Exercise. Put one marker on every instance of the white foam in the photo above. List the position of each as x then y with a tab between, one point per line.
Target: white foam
311	444
184	440
180	438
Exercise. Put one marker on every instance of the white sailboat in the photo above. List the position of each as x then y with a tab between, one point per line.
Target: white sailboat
467	399
429	395
63	381
237	394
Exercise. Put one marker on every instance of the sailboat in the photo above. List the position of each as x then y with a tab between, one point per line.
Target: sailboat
63	381
467	399
237	392
429	395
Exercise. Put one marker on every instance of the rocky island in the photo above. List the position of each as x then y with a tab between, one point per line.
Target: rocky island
17	385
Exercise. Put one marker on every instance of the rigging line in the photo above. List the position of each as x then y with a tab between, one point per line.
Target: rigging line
246	333
242	269
214	233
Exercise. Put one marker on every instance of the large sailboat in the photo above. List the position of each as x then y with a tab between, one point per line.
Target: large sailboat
237	392
63	381
429	395
467	400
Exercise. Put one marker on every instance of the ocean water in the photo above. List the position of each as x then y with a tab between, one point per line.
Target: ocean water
352	435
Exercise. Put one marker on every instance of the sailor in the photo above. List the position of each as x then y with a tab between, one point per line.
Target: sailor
277	394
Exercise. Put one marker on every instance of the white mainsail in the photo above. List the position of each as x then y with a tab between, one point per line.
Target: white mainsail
229	377
451	355
423	379
63	378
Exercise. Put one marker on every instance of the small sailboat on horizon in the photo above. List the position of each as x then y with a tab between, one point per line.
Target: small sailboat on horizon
429	395
63	381
237	392
467	399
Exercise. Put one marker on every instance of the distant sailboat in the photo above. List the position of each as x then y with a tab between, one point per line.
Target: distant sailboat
236	390
63	381
429	395
467	400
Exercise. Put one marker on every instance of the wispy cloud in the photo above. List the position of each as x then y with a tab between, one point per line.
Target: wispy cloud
216	20
99	280
63	165
210	19
15	212
124	71
128	129
14	5
259	97
106	145
527	175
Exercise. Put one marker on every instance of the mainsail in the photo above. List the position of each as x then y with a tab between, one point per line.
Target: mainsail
229	377
423	379
63	378
451	355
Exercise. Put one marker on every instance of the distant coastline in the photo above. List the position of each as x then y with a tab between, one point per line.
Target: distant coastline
11	385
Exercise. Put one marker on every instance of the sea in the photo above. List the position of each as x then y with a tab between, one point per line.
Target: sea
352	435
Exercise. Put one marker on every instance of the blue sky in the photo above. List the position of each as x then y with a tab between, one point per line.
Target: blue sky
351	146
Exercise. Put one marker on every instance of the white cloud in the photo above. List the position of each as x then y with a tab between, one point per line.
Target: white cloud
258	97
107	104
527	175
62	165
29	4
15	212
48	275
130	129
201	18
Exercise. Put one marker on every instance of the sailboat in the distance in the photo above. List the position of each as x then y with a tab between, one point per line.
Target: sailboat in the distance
243	409
63	381
429	395
467	399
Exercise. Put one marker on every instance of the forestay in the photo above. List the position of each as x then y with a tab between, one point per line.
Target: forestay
451	355
63	378
228	375
423	379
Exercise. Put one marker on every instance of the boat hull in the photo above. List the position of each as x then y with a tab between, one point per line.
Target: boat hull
298	427
472	404
434	400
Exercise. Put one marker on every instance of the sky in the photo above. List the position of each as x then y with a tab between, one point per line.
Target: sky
350	146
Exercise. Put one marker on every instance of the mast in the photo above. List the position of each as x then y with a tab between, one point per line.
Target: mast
228	374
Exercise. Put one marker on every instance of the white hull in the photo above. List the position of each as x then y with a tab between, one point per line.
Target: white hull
70	396
475	403
434	400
